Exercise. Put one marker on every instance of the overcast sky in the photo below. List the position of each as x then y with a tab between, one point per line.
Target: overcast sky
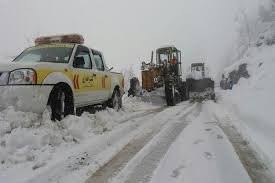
125	30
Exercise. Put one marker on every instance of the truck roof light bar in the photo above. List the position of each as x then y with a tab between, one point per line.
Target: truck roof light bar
69	38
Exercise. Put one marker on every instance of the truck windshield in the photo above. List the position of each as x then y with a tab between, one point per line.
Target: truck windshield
58	53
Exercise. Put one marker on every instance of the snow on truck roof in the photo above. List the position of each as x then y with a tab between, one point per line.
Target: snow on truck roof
69	38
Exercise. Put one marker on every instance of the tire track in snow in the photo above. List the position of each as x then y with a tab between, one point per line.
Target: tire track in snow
255	167
96	152
118	162
141	167
137	116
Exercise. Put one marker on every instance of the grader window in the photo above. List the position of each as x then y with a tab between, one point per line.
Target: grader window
164	58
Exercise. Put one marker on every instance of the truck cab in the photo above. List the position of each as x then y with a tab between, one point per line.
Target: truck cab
62	74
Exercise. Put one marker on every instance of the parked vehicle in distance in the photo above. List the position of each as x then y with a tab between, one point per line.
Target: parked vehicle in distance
61	74
200	85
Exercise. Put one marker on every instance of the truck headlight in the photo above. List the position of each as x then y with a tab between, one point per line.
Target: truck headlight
22	76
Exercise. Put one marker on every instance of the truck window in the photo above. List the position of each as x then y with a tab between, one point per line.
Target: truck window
82	58
99	62
57	53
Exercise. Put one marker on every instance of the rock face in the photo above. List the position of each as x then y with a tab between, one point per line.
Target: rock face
234	76
267	39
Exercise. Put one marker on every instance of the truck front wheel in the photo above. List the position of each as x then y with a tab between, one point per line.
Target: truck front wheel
60	103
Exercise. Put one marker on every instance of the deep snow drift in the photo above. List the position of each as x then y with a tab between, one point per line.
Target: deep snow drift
29	143
252	100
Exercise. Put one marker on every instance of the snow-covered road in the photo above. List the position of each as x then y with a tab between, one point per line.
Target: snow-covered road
192	145
142	143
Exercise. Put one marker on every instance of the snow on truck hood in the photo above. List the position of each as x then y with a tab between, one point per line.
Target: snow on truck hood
33	65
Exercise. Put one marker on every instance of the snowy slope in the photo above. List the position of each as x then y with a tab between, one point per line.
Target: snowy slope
252	100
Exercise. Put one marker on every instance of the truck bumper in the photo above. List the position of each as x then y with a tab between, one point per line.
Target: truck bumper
25	98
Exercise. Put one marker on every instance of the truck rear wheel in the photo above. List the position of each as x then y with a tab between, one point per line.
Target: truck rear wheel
116	101
61	103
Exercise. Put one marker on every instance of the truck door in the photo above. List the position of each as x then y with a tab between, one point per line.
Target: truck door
104	76
84	78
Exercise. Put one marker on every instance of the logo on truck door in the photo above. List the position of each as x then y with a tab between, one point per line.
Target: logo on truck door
84	81
88	81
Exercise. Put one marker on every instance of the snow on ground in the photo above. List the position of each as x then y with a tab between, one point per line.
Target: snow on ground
251	102
140	168
30	144
201	153
156	97
72	150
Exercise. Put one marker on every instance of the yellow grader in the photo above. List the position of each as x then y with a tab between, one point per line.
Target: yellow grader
165	72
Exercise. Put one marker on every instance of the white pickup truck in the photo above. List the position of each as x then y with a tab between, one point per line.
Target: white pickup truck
61	74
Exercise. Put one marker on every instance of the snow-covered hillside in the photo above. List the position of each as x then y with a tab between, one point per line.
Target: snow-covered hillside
252	99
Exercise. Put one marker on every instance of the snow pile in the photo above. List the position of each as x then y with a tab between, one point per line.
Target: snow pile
156	97
25	136
29	140
252	100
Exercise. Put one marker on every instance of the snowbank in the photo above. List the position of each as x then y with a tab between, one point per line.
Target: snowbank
29	141
252	101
